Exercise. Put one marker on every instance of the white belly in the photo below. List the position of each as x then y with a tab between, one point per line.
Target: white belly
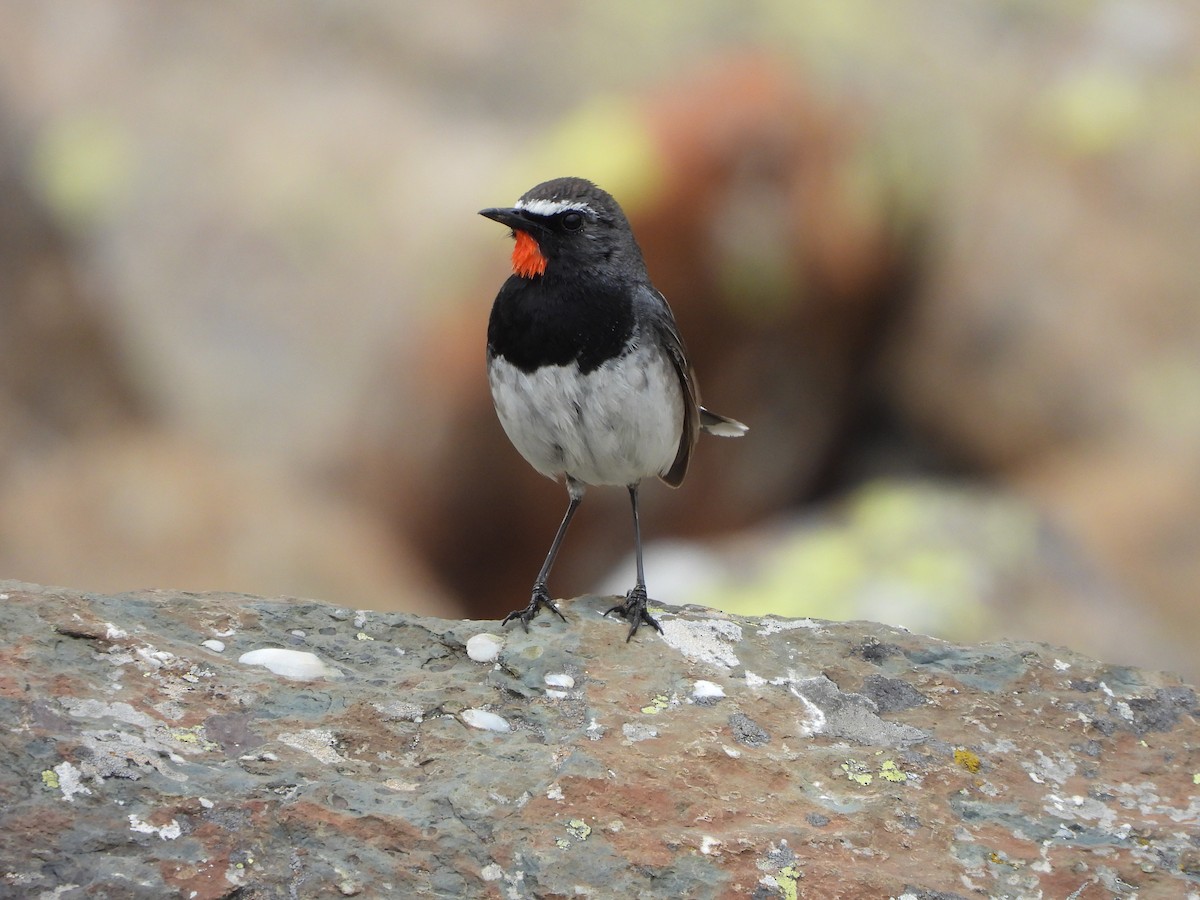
615	425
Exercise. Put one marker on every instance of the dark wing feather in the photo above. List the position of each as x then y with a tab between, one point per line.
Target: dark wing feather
662	329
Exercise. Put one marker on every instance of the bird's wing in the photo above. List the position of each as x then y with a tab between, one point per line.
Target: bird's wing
662	324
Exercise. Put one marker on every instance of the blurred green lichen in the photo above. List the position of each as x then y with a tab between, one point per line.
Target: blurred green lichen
915	554
606	140
82	164
1091	110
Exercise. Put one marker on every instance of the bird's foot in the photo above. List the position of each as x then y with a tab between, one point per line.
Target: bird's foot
539	598
634	611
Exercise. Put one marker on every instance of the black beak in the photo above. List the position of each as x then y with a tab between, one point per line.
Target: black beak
515	219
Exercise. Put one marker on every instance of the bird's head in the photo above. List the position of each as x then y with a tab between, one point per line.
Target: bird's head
569	225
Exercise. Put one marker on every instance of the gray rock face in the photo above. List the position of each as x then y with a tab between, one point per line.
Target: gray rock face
374	755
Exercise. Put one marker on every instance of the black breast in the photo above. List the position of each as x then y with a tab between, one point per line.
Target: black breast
538	322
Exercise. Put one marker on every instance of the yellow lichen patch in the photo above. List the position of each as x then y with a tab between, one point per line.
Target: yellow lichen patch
194	735
657	705
968	760
50	779
787	879
857	772
579	828
889	771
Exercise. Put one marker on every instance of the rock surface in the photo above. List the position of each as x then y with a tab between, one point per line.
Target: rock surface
731	757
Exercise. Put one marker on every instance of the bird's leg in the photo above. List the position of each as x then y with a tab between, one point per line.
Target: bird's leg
540	596
634	607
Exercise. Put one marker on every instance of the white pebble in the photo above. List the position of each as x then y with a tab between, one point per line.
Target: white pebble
484	648
299	664
482	719
560	680
214	645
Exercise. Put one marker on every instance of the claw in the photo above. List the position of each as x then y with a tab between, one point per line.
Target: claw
633	610
539	598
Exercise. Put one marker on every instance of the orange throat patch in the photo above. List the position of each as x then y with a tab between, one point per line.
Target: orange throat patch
527	259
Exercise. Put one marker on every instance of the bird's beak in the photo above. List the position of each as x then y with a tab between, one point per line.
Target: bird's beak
513	218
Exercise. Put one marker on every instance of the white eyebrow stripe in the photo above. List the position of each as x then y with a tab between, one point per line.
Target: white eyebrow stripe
552	207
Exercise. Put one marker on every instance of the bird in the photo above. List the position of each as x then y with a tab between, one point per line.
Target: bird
588	373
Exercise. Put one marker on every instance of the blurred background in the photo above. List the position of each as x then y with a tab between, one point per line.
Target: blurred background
943	258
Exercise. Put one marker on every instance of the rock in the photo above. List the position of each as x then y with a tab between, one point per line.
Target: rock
147	507
836	759
64	370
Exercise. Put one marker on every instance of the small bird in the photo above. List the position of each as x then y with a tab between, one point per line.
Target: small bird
588	373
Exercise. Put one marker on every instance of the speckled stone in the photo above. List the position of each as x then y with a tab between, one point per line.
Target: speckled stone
844	760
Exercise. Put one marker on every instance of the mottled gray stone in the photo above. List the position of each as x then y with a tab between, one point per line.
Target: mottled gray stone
137	761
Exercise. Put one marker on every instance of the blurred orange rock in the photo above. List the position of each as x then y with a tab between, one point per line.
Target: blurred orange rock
146	510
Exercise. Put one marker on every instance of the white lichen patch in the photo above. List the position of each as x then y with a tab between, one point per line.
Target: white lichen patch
295	664
484	648
754	681
485	721
814	720
395	784
1081	808
98	709
1057	770
70	781
706	640
214	645
638	732
153	659
113	633
768	627
168	832
318	743
400	710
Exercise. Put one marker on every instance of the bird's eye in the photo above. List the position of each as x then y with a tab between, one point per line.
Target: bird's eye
572	221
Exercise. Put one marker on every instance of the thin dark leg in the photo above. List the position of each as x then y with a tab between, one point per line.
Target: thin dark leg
541	596
634	607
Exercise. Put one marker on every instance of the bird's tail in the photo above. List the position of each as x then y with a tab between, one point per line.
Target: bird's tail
720	425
